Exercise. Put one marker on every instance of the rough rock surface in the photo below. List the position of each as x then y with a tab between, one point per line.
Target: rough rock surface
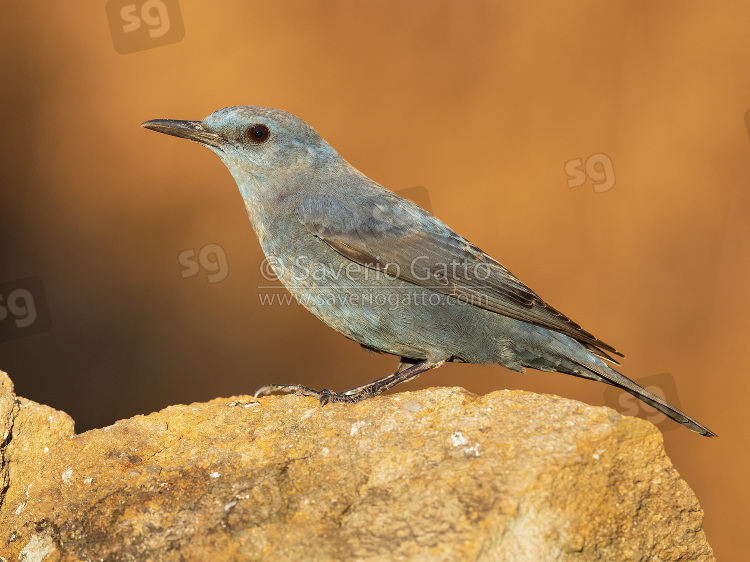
438	474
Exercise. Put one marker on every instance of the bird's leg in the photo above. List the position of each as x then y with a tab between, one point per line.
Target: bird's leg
358	393
381	385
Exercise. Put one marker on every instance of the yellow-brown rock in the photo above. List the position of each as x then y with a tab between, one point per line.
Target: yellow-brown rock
438	474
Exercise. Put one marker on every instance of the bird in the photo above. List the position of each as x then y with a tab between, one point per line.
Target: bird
384	272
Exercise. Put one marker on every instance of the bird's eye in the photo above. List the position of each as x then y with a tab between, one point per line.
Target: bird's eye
257	133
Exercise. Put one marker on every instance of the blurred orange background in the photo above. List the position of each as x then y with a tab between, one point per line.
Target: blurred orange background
485	104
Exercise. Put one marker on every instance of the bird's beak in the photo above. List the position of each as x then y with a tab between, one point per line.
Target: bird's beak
191	130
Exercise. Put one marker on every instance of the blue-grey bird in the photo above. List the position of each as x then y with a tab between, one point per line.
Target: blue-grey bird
383	271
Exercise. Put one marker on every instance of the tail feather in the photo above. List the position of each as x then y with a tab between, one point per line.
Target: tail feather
610	376
668	410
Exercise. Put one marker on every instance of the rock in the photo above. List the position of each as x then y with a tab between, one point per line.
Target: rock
438	474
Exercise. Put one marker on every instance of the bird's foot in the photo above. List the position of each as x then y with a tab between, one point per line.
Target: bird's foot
325	396
358	393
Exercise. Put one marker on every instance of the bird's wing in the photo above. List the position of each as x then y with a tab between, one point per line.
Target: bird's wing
384	232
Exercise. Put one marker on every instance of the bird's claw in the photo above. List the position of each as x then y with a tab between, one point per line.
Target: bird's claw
325	396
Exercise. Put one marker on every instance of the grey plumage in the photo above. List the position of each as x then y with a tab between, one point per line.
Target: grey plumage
384	272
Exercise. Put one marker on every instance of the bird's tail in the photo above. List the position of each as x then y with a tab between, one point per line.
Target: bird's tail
606	374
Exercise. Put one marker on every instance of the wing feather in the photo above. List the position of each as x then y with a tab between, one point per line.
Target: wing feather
384	232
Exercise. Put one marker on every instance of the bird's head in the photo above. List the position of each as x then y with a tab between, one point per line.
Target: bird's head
260	146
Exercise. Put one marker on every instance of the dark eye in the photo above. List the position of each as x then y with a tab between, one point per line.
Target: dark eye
257	133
